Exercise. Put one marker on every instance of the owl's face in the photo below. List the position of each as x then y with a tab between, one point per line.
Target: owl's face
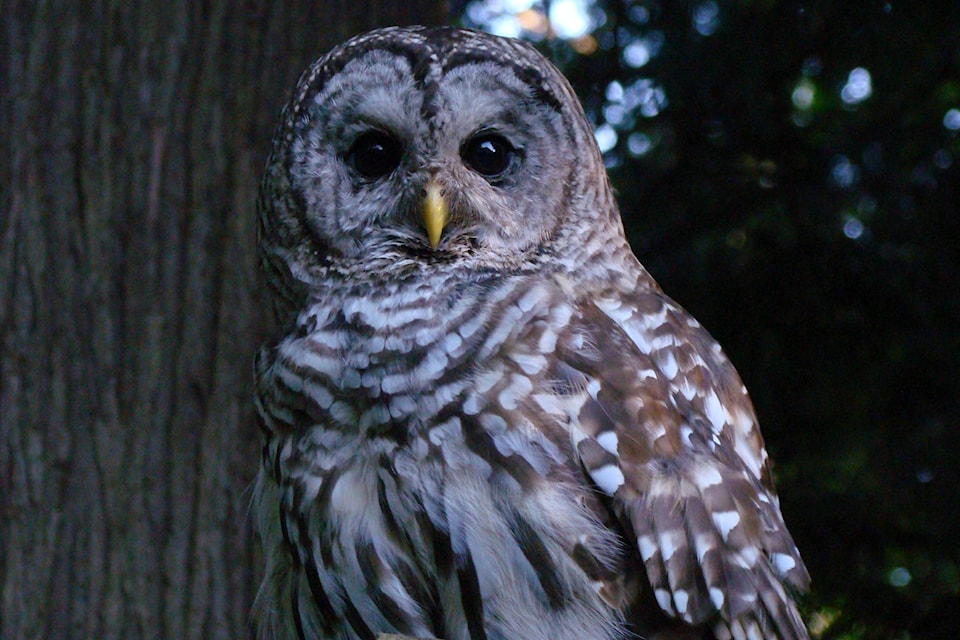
436	145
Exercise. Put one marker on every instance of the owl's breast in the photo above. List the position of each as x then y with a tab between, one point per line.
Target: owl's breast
427	435
397	360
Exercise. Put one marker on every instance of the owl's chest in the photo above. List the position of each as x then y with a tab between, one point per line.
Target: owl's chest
403	373
403	356
440	437
392	370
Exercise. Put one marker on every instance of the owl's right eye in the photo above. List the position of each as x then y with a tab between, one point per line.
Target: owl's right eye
374	154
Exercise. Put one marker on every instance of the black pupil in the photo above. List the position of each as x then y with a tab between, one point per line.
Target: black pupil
374	154
490	156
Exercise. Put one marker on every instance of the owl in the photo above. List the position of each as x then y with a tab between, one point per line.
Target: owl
483	419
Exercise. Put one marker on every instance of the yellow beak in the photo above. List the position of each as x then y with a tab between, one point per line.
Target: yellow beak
434	211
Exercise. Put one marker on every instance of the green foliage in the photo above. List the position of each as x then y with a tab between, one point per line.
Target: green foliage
790	172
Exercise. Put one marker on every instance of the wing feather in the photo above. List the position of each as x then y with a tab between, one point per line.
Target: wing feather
688	475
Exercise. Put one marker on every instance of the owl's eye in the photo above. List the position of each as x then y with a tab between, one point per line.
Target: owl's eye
489	155
374	154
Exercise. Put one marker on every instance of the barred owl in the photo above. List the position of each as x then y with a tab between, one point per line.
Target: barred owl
483	418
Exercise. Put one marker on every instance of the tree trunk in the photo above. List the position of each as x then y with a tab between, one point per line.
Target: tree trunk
133	137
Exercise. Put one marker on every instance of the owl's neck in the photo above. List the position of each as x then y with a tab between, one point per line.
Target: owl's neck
398	303
414	296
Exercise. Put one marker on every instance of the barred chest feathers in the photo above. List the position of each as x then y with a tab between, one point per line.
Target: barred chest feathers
432	501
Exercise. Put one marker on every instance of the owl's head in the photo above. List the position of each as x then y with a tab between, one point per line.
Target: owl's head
409	147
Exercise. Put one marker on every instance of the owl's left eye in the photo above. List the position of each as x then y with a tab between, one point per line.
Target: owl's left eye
374	154
489	155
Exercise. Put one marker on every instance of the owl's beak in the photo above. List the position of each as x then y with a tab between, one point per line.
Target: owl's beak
434	211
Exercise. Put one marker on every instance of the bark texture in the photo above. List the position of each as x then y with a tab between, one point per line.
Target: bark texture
134	134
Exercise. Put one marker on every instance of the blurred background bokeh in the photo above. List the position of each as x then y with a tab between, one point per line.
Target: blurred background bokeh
789	171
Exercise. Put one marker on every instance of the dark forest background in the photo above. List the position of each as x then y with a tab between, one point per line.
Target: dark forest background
789	171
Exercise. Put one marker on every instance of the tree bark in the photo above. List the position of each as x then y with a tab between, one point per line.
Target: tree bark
134	135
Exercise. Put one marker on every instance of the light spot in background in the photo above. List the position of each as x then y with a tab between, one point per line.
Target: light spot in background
500	17
803	94
639	51
951	119
584	45
639	143
514	6
636	54
706	18
645	94
899	577
614	92
570	18
506	26
852	228
859	87
606	137
615	114
533	22
821	621
844	173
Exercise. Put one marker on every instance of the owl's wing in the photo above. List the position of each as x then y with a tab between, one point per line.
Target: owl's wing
667	432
